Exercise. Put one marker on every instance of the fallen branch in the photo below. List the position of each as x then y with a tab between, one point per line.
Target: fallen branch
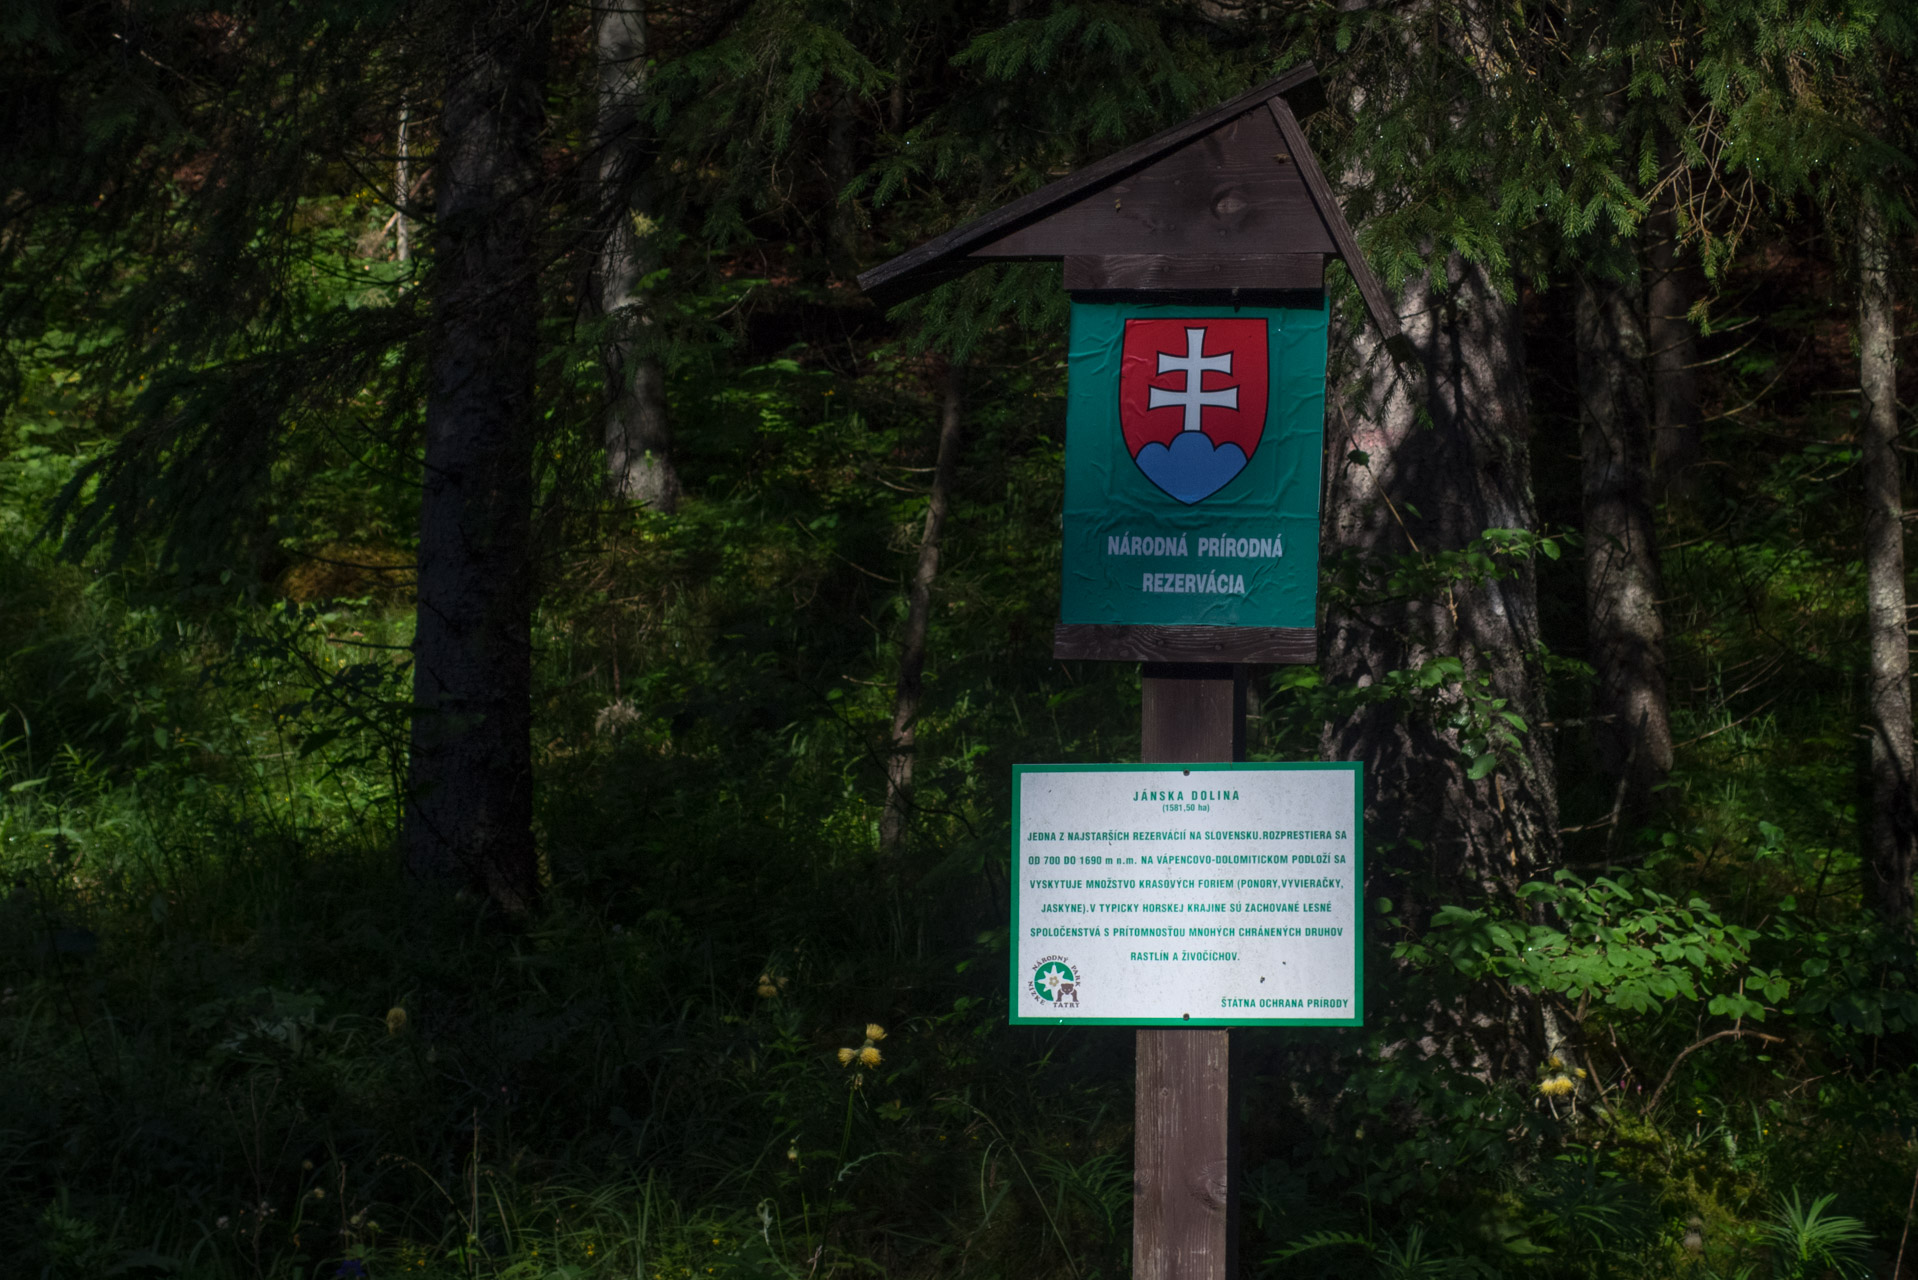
1734	1033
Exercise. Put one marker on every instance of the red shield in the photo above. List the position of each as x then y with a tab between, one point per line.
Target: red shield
1192	398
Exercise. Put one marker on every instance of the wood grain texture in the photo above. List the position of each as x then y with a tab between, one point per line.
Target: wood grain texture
1254	272
1377	304
921	268
1191	713
1183	1224
1224	193
1185	644
1184	1201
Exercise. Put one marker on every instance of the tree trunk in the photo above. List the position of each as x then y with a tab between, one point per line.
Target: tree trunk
896	95
469	802
912	650
842	163
1890	829
1677	439
403	187
1632	721
639	464
1429	490
1438	835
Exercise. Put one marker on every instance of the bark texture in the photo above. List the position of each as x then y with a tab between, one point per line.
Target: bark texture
639	464
1890	829
894	820
1678	441
1431	487
469	805
1625	635
403	186
842	164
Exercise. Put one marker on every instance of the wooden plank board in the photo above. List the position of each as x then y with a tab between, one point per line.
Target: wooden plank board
1184	1147
1377	304
1223	193
1185	644
1086	274
900	278
1230	191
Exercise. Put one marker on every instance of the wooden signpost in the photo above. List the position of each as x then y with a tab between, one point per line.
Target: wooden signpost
1196	398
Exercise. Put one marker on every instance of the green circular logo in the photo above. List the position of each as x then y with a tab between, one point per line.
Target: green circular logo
1056	982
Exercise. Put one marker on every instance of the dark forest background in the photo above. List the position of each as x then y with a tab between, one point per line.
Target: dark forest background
513	662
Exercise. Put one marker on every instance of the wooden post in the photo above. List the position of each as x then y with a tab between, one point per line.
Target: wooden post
1139	228
1185	1145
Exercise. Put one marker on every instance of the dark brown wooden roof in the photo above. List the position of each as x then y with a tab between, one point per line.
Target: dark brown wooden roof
1235	184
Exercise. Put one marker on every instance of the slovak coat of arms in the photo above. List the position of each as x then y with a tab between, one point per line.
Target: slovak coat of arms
1192	400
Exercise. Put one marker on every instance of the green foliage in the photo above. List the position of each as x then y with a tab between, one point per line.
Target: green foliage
1410	1259
234	1042
1807	1240
1607	942
1451	693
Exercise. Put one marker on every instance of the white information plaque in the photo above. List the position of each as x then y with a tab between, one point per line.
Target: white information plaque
1201	895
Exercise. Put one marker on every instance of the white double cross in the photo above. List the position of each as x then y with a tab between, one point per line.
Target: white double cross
1194	366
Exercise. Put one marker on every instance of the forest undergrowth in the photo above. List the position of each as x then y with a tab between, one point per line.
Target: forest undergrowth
740	1040
742	1035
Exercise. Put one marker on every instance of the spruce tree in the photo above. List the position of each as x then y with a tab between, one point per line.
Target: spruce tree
1423	459
1624	626
248	339
1811	109
1891	828
639	463
470	783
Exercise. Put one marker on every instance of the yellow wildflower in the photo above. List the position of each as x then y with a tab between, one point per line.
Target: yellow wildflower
395	1020
869	1057
875	1032
846	1056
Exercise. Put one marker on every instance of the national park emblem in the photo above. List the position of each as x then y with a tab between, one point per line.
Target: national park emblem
1055	982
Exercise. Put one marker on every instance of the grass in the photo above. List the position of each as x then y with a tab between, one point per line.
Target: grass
236	1042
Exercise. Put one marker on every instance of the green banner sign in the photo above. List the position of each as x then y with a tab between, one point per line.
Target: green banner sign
1193	440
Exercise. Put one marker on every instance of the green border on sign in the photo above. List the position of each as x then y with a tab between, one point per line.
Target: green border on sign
1357	1019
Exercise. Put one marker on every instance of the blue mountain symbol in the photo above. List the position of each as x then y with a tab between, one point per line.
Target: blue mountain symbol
1192	468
